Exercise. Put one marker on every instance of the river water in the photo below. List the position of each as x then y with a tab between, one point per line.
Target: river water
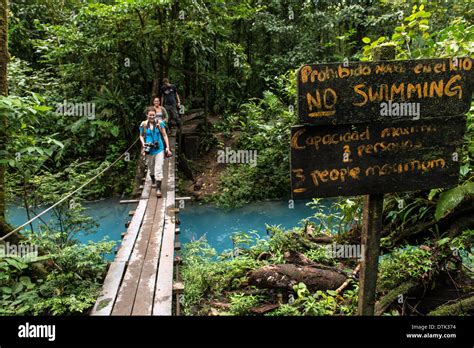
217	225
197	220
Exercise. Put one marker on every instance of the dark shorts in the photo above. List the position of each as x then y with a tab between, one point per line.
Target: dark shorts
173	113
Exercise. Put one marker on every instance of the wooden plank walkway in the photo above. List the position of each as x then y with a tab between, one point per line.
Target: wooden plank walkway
140	279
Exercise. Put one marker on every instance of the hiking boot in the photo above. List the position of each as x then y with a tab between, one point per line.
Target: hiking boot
158	189
153	181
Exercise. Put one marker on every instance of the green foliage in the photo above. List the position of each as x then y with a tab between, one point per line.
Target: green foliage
41	142
462	246
464	240
74	284
203	275
197	272
406	210
285	310
65	280
449	200
370	45
468	147
23	79
404	264
457	39
240	304
210	277
320	303
17	291
29	145
264	127
320	255
415	37
228	55
414	34
280	241
340	216
324	302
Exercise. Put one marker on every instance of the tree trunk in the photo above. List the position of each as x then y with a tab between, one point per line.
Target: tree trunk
187	75
4	58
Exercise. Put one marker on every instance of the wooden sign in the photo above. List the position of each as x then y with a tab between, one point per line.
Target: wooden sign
359	92
369	158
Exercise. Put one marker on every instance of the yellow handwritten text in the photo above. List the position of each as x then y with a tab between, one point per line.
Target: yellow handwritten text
400	131
407	91
335	175
412	166
437	67
324	107
328	139
386	147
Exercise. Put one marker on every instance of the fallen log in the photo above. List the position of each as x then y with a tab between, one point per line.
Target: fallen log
322	239
461	307
385	302
286	276
297	258
220	305
264	308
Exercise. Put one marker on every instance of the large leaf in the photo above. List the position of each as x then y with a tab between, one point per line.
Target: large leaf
6	290
56	142
78	124
115	131
450	199
15	263
17	288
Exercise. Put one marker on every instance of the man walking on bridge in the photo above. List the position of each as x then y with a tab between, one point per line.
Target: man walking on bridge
170	100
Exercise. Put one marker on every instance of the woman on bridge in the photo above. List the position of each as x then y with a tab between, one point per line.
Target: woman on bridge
152	135
161	112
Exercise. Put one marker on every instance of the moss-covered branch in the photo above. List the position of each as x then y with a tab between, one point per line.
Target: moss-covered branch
462	307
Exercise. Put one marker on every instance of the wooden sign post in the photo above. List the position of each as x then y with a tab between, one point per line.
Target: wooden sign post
371	230
370	128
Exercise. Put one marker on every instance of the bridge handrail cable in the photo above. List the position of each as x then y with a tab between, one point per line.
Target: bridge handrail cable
69	194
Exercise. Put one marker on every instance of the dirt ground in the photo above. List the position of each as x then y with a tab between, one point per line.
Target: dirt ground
206	169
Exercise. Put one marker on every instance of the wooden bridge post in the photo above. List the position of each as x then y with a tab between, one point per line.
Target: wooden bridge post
372	226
